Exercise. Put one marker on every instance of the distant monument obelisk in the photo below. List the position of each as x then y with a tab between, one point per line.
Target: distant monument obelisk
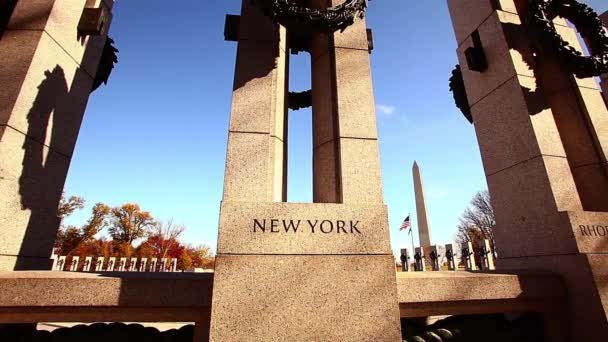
424	233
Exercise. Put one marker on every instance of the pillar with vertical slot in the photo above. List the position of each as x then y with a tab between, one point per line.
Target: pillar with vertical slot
542	128
320	271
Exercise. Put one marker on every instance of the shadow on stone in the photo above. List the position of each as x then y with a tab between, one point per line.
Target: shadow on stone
6	10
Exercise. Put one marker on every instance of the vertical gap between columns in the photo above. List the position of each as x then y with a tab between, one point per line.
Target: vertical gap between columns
299	182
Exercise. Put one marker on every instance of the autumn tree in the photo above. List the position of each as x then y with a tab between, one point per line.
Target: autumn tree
67	206
477	221
69	238
128	223
200	256
165	236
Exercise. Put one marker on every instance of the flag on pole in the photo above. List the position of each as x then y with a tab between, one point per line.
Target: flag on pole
406	225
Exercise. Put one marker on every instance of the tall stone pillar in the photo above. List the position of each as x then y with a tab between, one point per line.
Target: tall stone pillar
604	77
543	136
284	270
46	74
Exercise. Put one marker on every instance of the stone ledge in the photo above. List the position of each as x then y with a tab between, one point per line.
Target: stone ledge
50	289
420	287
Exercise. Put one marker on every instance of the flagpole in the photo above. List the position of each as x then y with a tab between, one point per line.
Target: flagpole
412	235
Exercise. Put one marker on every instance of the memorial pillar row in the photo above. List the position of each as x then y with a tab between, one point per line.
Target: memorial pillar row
46	75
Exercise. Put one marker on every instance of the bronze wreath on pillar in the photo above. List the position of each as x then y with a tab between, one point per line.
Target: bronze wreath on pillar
107	62
295	16
587	22
460	93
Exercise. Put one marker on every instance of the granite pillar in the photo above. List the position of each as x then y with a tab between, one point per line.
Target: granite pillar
434	257
543	136
468	257
450	256
486	257
316	271
405	260
46	76
604	77
419	257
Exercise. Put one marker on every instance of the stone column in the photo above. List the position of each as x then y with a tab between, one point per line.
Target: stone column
142	265
153	264
99	264
74	263
468	257
450	256
256	160
304	266
419	257
61	263
486	256
87	264
543	139
405	260
111	264
345	137
604	77
132	265
434	256
46	75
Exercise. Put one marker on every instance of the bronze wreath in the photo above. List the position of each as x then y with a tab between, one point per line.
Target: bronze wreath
460	94
589	25
295	16
108	60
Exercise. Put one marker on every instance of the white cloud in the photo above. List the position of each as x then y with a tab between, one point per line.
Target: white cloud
387	110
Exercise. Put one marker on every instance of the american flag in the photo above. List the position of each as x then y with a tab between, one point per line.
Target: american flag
405	224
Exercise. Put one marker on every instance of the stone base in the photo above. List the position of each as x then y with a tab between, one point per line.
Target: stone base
305	298
586	279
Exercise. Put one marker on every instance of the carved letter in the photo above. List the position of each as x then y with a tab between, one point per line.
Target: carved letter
312	226
256	224
331	227
353	227
340	226
274	223
583	230
591	228
291	226
601	230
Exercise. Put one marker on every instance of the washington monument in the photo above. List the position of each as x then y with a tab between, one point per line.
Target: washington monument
424	232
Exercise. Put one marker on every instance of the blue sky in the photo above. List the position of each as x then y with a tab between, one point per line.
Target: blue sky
156	135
